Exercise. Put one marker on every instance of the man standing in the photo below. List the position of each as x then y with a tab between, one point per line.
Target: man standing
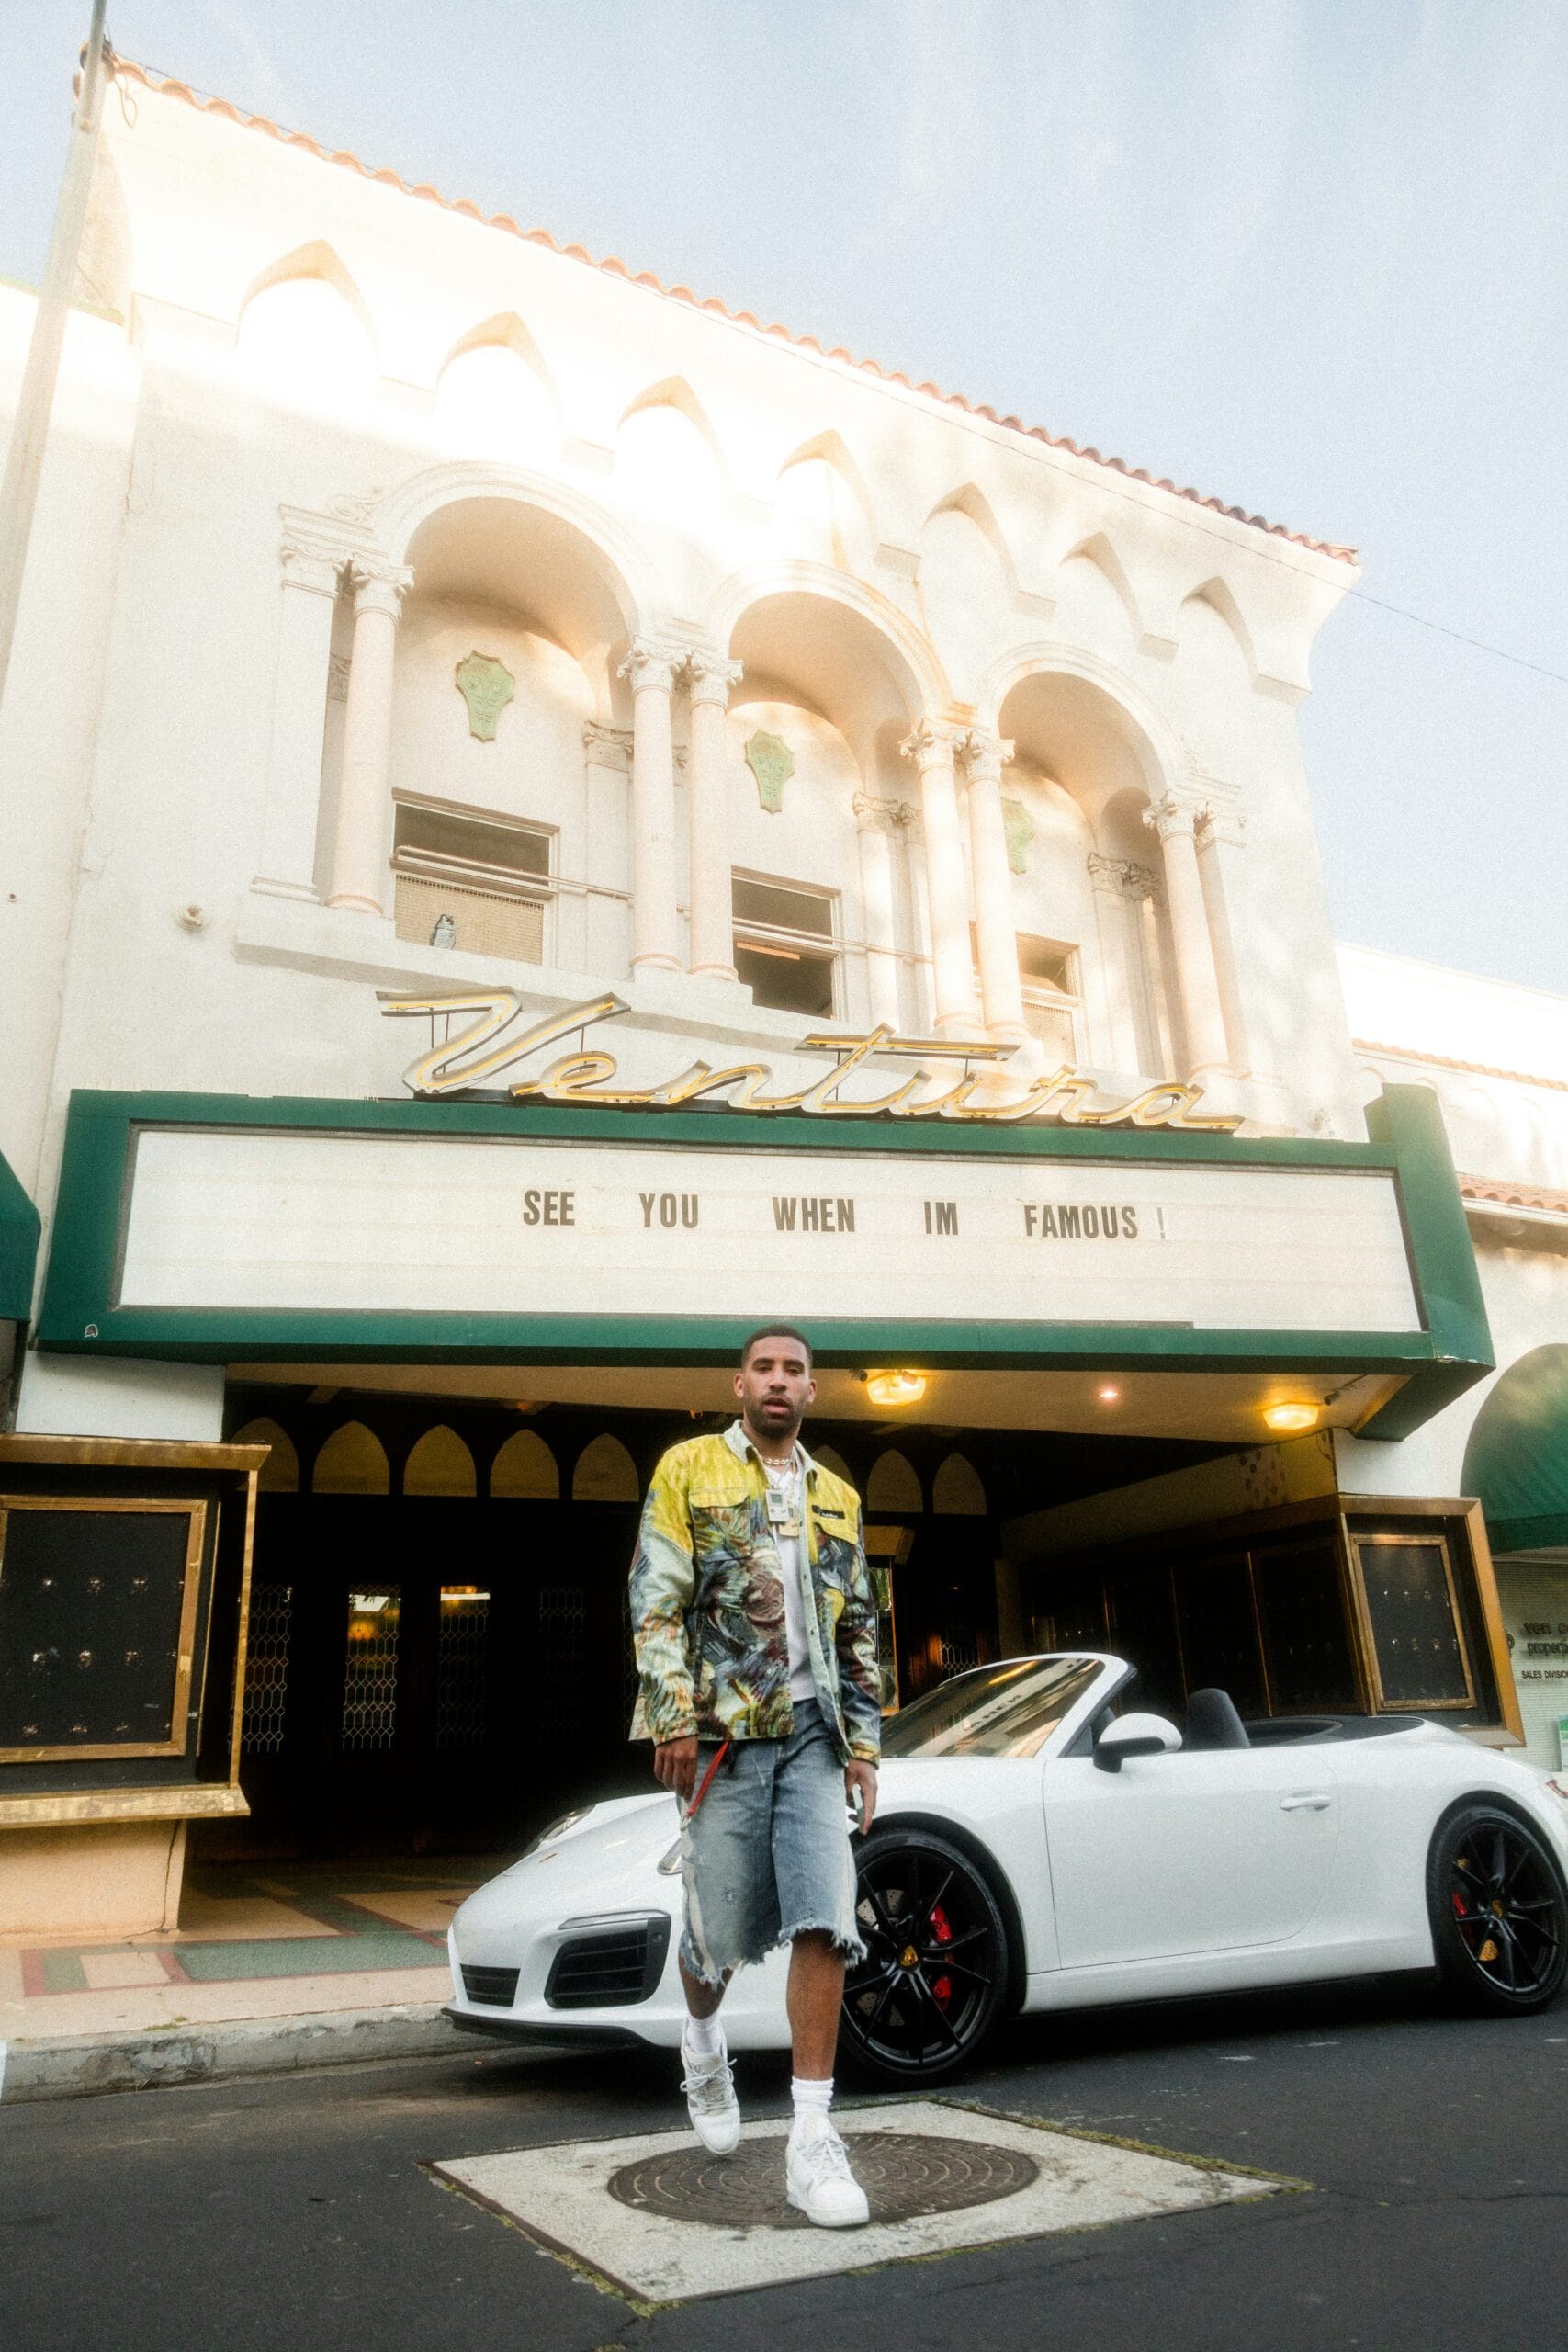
756	1647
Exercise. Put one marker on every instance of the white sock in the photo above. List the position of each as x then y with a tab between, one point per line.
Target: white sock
812	2100
704	2036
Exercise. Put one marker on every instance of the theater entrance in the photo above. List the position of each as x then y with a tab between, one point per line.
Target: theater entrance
440	1656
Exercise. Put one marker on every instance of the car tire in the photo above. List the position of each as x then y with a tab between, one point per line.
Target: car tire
1499	1912
934	1984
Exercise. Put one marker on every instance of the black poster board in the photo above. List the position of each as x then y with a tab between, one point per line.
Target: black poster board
97	1619
1417	1646
1300	1616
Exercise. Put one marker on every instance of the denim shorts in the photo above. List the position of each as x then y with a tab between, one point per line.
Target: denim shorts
768	1856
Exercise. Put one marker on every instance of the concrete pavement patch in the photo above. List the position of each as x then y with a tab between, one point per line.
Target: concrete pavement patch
588	2201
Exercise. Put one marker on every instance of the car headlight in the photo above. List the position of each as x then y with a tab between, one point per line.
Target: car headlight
556	1829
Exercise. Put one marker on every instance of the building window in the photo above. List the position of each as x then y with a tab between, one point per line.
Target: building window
786	951
370	1674
1048	973
478	883
267	1668
462	1666
1050	976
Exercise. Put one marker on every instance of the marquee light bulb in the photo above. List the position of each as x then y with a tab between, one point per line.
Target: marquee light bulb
896	1387
1291	1417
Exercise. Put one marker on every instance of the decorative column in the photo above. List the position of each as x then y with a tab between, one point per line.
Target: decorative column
1001	989
359	851
1220	830
709	678
1120	961
1174	818
932	749
879	922
292	806
656	939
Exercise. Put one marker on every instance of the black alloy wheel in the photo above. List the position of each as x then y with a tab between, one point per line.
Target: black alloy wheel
1499	1912
934	1984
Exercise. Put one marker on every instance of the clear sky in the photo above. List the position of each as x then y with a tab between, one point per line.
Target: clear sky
1311	257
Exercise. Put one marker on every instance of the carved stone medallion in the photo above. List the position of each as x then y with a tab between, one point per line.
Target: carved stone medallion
1019	827
487	686
772	762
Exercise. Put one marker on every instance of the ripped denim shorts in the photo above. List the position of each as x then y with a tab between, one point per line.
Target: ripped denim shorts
768	1856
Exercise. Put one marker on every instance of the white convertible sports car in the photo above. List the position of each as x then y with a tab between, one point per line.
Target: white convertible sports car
1036	1846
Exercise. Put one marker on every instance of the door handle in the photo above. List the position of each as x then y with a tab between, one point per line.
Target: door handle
1316	1803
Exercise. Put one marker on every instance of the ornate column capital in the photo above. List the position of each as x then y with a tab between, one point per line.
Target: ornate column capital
378	587
313	569
984	755
607	747
650	666
930	744
1222	822
1173	815
710	675
1120	878
876	815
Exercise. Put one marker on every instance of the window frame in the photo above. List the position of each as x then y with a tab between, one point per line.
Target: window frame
476	873
804	946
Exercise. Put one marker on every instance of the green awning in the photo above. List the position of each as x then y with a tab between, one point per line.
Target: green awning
19	1231
1517	1461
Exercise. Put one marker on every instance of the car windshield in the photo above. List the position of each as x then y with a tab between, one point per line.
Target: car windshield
1009	1710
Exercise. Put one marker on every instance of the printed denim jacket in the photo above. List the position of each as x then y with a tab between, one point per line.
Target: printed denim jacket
707	1605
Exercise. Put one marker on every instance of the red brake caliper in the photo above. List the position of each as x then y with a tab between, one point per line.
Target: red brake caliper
942	1930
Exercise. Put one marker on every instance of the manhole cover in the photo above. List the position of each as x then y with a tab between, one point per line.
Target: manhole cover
903	2175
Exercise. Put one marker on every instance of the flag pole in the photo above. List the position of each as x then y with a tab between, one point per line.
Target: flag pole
30	430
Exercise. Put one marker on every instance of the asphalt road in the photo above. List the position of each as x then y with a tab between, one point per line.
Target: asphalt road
293	2216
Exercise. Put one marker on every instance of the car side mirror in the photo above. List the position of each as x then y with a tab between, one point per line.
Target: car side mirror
1134	1736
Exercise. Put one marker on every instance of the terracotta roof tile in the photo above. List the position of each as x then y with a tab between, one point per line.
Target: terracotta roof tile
1540	1197
169	87
1447	1061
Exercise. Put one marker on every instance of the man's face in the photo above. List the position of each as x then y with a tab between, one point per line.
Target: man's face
774	1386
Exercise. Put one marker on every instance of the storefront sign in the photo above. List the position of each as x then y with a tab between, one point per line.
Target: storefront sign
479	1054
236	1217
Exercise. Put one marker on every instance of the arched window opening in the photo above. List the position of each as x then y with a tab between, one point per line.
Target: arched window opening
956	1489
606	1473
892	1485
525	1470
352	1462
440	1465
280	1471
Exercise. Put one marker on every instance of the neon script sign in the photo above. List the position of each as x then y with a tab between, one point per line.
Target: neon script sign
478	1054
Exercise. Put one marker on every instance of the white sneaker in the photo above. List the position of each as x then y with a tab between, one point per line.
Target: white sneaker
817	2170
709	2085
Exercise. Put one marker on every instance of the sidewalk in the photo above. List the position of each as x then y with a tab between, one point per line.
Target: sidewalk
273	1966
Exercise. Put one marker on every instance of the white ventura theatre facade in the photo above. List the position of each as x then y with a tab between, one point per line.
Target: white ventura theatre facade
550	821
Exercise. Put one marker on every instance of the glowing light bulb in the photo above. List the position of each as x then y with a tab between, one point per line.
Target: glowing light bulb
896	1387
1291	1417
1109	1393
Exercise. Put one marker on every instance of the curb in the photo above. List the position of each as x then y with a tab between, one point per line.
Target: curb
84	2066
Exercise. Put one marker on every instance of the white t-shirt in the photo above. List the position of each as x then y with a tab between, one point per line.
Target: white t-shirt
788	1479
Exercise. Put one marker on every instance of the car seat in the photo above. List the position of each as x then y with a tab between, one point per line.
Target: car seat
1212	1721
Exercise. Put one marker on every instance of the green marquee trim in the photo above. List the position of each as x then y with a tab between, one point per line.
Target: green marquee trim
1517	1460
19	1230
80	1315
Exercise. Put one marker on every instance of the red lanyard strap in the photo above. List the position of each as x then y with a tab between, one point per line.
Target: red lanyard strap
722	1752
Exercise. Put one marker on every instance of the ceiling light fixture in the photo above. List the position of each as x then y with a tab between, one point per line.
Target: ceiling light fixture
1291	1417
1109	1393
896	1387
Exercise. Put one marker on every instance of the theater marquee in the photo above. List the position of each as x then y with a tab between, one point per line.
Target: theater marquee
232	1229
330	1223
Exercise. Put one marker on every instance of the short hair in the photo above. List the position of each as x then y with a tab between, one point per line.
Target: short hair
774	1331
